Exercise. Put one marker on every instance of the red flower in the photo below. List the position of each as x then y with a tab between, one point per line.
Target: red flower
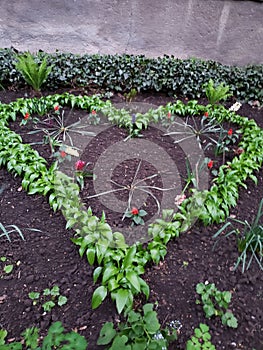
230	132
135	211
210	164
79	165
26	116
63	154
56	108
169	115
93	112
206	114
239	151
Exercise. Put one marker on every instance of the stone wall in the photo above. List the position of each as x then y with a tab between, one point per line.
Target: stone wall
230	32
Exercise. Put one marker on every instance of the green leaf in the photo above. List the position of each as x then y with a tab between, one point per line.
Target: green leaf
3	334
122	296
55	291
120	343
129	257
34	295
96	273
98	296
107	333
209	310
46	291
144	287
109	272
48	305
227	296
8	268
132	277
198	333
152	322
91	255
232	322
200	287
62	300
113	284
204	328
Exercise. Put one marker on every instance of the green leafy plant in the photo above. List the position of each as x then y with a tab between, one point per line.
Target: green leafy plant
189	128
129	96
249	241
215	303
125	72
8	268
201	340
49	298
94	117
56	338
120	275
55	128
6	230
140	331
226	139
81	172
34	74
136	215
215	94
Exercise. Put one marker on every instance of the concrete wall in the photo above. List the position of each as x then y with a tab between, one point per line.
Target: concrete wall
230	32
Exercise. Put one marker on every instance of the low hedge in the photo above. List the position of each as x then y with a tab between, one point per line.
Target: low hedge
124	72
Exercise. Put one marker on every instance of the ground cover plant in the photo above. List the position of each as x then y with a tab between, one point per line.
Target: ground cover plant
119	268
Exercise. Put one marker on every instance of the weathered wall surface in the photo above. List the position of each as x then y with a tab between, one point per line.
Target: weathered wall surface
230	32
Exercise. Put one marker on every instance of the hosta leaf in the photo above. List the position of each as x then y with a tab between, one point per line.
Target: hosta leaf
98	296
132	277
122	296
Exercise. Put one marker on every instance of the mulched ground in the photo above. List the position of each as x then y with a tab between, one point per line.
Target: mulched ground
49	257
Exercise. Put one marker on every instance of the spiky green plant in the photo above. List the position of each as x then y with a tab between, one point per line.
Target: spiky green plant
217	93
249	242
34	74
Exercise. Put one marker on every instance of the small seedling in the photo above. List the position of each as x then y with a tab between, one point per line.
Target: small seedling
129	96
185	264
136	215
201	339
56	338
49	298
7	268
141	330
215	303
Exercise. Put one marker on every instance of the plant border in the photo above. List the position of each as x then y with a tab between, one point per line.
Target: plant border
130	260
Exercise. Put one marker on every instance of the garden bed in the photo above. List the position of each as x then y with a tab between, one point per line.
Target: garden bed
49	258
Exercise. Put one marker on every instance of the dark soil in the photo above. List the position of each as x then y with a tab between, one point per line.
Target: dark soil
49	257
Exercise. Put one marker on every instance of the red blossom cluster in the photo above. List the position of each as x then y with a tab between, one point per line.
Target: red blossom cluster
134	211
63	154
79	165
210	164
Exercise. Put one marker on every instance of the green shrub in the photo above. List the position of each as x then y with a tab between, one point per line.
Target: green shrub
35	75
127	72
